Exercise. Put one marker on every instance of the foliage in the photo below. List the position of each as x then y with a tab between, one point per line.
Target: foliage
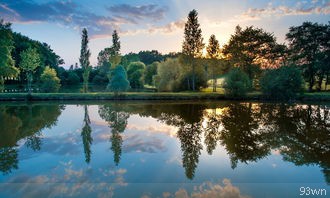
135	73
7	63
47	55
193	43
309	49
30	60
237	83
148	57
73	78
49	80
252	49
168	74
283	83
118	82
84	59
213	53
150	71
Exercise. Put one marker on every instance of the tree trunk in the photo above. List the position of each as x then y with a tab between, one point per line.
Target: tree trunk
29	82
311	83
193	77
319	83
214	81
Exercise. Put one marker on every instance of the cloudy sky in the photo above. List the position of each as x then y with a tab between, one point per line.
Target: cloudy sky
152	24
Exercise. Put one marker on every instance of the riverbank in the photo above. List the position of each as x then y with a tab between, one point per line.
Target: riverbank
317	96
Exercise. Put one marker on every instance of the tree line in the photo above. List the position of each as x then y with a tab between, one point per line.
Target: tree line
250	60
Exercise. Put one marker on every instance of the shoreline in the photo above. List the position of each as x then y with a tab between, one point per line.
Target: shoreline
317	96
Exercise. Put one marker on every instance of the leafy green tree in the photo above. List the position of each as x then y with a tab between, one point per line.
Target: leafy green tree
49	80
135	73
118	82
237	83
168	73
129	58
253	49
30	60
73	78
148	57
150	71
309	44
84	59
213	53
7	68
283	83
47	55
193	44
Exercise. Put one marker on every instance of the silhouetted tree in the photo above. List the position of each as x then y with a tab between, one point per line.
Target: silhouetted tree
193	43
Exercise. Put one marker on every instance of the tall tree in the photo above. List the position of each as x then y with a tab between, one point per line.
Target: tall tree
115	57
193	42
309	44
252	49
84	58
213	53
7	68
30	60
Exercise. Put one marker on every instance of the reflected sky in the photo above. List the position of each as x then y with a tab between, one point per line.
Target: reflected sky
163	150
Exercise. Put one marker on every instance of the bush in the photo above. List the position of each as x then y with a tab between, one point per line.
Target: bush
237	83
283	83
50	81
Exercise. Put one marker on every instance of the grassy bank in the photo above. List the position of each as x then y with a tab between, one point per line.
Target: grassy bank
324	96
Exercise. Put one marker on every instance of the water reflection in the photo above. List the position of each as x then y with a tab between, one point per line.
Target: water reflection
247	131
86	135
117	120
23	122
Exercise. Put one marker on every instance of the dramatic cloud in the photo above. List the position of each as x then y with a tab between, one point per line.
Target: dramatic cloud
135	14
71	14
270	11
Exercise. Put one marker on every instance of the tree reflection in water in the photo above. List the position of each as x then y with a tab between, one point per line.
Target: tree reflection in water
86	134
247	131
23	122
117	120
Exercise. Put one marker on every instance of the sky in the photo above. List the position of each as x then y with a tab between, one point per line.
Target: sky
150	25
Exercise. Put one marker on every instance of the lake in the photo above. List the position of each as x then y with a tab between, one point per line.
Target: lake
164	149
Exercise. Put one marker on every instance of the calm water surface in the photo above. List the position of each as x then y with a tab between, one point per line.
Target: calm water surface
162	149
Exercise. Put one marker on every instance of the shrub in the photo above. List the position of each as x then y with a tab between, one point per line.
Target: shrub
237	83
50	81
283	83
